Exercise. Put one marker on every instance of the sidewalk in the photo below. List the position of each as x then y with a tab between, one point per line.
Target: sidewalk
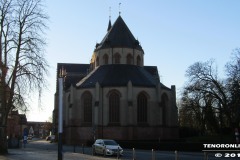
41	154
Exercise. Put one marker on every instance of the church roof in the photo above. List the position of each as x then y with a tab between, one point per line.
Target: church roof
118	75
120	36
75	72
73	67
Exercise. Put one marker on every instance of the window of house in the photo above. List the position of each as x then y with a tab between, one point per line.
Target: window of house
87	107
142	108
114	107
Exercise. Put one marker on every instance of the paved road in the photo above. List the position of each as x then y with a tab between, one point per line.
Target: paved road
43	150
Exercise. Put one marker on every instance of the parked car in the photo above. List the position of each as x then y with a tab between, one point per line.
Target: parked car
106	147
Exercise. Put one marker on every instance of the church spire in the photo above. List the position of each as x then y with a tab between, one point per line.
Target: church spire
109	23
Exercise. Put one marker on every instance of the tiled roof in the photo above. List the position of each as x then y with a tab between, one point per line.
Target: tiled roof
120	36
118	75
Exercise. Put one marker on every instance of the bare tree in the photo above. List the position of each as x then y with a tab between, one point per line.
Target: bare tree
197	111
22	63
233	86
211	93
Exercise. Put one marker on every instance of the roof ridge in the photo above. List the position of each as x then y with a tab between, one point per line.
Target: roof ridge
86	77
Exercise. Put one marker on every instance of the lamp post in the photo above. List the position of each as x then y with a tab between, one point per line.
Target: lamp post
60	112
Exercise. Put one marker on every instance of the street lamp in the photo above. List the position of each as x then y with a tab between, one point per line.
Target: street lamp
60	112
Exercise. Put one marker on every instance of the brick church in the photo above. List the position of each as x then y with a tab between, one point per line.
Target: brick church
116	96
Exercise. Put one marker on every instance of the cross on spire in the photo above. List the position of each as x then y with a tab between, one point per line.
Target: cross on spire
109	13
109	23
119	5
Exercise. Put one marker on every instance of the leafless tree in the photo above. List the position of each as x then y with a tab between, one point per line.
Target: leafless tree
233	86
209	94
22	63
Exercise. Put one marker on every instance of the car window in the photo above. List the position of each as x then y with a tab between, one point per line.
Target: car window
110	142
97	142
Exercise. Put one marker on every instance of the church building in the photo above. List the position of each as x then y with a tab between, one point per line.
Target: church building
116	96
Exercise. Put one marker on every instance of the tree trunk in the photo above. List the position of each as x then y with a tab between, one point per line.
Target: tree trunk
3	138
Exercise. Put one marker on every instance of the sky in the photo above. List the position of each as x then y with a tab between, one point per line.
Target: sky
174	34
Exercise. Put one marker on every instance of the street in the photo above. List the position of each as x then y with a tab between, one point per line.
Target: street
44	150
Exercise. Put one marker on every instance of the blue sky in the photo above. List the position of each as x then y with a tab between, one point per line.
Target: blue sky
173	33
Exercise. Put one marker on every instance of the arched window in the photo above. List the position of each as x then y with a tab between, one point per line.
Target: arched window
142	108
129	59
114	107
138	60
97	61
117	58
87	107
164	108
105	59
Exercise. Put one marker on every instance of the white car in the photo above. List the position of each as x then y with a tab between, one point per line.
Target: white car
107	147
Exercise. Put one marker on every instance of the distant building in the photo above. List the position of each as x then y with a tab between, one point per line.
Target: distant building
116	96
39	129
16	123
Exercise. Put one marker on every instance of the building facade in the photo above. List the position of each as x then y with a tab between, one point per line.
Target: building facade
116	96
39	129
16	124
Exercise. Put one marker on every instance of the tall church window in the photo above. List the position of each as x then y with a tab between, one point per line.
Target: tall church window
105	59
69	101
164	108
142	108
114	107
117	58
129	59
97	61
138	60
87	107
